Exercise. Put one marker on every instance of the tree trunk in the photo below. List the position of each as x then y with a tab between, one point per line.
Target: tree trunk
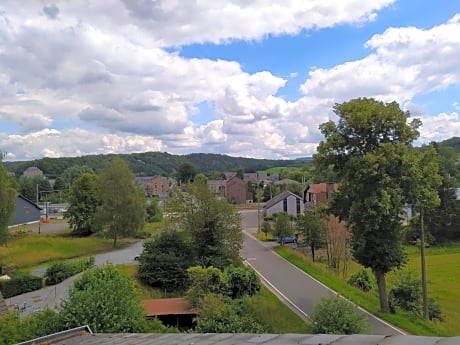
383	296
115	240
313	253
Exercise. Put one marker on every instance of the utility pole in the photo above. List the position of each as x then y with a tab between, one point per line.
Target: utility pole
423	263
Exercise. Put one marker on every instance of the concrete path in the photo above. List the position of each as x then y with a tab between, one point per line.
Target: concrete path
51	296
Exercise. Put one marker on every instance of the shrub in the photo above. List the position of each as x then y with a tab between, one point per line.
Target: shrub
434	310
361	280
19	284
241	281
337	316
204	281
406	293
60	271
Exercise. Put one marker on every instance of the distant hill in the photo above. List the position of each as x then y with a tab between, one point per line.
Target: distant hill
153	163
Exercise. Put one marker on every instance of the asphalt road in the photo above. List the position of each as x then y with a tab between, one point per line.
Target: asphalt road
298	289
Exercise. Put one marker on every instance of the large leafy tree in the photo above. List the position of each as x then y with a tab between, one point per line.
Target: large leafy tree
121	209
185	173
213	226
28	187
83	203
283	226
7	201
369	150
106	300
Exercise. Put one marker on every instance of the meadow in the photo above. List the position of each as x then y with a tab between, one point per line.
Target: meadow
443	273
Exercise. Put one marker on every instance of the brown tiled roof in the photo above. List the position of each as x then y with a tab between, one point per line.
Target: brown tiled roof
322	187
167	306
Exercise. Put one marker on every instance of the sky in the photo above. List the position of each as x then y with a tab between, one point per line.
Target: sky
237	77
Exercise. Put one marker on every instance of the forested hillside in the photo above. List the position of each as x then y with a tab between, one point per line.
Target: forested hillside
153	163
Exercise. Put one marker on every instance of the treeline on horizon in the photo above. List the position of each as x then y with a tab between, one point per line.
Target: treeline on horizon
166	164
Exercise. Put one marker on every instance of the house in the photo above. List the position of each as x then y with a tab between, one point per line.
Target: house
218	187
26	212
319	193
160	186
237	191
286	201
32	171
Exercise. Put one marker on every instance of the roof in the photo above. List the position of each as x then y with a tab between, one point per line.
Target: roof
167	306
251	339
29	201
276	199
321	187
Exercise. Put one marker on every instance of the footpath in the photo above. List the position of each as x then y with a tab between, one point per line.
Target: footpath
52	296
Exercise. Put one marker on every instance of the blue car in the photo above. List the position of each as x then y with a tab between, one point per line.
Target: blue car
287	239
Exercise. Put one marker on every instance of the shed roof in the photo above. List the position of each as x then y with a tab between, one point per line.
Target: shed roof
167	306
276	199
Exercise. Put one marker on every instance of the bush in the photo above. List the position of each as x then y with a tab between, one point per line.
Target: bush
361	280
434	310
20	284
337	316
241	281
406	294
60	271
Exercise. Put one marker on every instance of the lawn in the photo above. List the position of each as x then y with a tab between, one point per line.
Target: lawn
31	249
444	280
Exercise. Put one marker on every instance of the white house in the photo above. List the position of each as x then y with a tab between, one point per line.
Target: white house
284	202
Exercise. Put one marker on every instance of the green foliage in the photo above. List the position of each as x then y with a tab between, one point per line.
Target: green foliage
75	171
10	329
267	227
370	151
241	281
337	316
204	281
40	324
313	230
361	280
406	293
60	271
20	283
83	203
7	202
434	310
106	300
164	261
222	317
185	173
121	206
283	225
212	226
28	187
154	212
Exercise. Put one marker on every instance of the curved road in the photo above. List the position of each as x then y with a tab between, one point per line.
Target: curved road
298	289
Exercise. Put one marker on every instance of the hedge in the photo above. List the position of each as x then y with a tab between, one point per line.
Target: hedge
18	285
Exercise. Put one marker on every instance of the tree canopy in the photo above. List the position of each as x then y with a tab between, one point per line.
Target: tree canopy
7	202
370	150
121	207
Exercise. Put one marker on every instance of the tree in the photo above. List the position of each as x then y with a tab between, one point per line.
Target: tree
83	202
185	173
75	171
283	226
204	281
106	300
336	315
28	187
154	212
313	231
164	261
213	226
241	281
7	202
369	149
121	201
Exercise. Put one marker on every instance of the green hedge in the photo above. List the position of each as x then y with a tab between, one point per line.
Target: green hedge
20	284
60	271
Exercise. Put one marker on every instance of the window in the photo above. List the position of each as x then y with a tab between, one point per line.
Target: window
297	204
285	205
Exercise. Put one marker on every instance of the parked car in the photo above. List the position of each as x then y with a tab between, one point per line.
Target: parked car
287	239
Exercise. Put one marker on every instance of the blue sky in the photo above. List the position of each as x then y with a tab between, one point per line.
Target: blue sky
252	79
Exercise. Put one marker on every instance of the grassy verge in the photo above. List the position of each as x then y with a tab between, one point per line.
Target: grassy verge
31	250
368	301
265	308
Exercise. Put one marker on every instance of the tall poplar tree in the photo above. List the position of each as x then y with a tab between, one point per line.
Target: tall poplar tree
370	150
7	201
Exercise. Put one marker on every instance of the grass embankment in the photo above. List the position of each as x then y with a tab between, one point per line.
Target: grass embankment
30	250
370	301
265	307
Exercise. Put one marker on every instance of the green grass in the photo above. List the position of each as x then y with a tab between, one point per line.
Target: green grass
267	309
368	301
263	237
31	250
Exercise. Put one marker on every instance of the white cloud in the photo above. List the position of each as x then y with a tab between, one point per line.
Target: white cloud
439	127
